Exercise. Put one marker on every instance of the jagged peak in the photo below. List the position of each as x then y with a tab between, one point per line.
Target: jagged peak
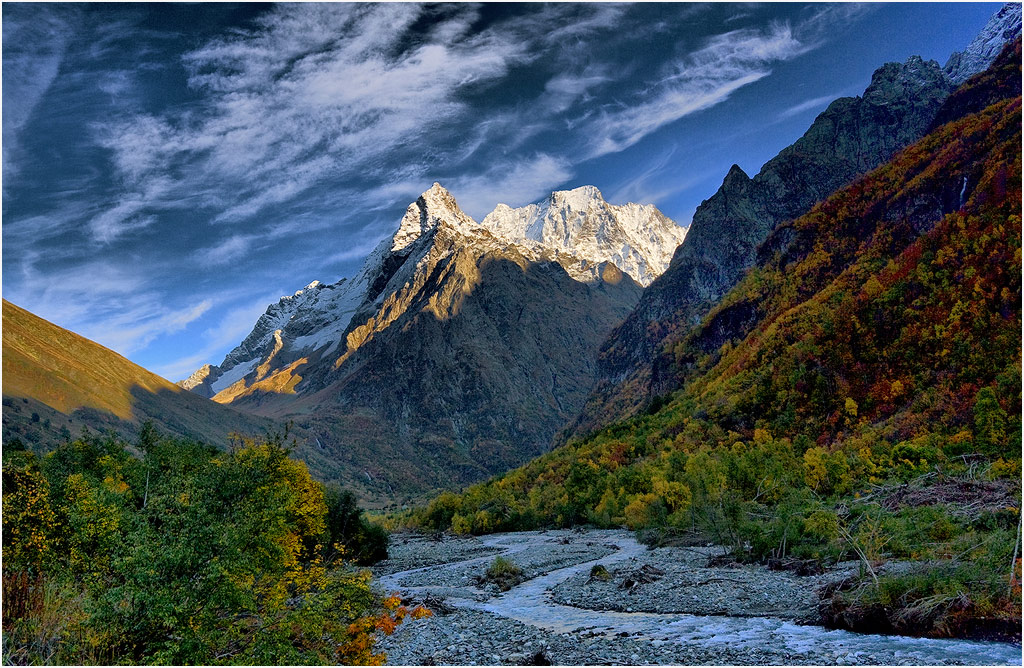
577	198
736	174
298	293
580	223
434	207
197	378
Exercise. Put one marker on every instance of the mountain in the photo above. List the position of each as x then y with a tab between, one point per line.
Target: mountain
1002	29
55	382
580	224
459	348
855	396
852	136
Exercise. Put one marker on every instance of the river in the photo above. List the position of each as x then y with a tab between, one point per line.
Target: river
737	639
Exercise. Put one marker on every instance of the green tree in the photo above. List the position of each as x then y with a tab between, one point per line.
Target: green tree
989	422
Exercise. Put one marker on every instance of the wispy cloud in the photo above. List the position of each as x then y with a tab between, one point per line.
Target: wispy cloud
647	186
232	248
807	105
703	79
515	185
232	327
34	46
314	91
108	303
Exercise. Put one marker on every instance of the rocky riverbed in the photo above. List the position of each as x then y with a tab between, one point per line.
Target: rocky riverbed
645	607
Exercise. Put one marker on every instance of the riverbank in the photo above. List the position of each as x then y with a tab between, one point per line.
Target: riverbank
643	607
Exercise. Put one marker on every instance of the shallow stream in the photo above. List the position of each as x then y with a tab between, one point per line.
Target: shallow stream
531	603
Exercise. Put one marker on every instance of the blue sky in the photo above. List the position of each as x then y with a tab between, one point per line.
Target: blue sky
170	169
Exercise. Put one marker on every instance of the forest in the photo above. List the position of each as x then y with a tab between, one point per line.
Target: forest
166	551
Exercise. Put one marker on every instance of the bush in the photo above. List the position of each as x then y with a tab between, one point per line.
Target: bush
361	541
504	573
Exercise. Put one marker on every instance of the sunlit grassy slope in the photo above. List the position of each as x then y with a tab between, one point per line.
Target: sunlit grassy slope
56	380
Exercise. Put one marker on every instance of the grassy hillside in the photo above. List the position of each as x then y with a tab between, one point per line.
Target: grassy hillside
55	382
855	396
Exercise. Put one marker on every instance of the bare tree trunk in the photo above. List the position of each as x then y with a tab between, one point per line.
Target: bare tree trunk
1013	562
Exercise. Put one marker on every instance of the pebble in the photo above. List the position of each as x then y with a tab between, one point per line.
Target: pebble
475	637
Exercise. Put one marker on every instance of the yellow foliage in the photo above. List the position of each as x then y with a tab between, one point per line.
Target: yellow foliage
815	459
677	496
461	524
482	522
636	511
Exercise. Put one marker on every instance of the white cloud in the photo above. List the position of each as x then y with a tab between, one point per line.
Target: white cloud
34	47
564	89
645	187
226	251
316	91
106	302
704	78
807	105
517	184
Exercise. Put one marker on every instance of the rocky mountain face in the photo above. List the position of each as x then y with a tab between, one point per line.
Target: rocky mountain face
852	136
459	348
1002	29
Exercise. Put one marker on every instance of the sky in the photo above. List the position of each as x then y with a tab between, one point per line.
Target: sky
169	170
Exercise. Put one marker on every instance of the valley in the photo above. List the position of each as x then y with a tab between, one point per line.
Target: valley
566	430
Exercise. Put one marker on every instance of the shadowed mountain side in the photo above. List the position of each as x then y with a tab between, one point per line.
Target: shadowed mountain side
487	359
851	136
55	382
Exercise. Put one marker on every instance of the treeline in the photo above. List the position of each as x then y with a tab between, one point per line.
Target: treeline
857	396
173	552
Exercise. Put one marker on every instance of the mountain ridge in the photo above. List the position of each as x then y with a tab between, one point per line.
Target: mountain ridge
458	349
852	135
336	305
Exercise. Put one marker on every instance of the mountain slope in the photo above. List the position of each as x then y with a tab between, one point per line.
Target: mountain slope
54	379
856	396
852	136
459	348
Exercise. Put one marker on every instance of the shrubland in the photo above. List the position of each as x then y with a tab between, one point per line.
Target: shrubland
168	551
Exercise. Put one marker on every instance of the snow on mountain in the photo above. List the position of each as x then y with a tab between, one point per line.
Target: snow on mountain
576	228
434	207
579	223
1003	27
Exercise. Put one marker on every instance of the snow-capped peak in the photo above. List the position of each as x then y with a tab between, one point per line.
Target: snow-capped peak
578	199
638	239
576	228
432	208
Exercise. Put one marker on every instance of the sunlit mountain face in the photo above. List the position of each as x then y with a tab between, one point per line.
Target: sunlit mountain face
170	170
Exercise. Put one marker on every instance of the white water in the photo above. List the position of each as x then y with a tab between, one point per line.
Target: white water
531	603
